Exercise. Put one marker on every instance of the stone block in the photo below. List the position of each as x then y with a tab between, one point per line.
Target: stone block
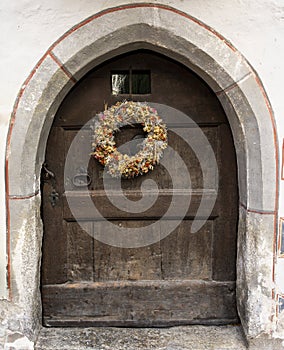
33	118
26	239
254	271
266	343
259	140
240	146
198	45
17	341
192	337
253	133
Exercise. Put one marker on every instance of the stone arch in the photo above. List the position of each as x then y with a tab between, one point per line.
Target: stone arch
185	39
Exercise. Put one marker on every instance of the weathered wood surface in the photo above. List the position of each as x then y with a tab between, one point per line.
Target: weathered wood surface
143	303
182	279
103	202
160	173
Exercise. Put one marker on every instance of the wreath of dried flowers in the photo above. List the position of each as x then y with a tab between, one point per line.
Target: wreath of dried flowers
110	121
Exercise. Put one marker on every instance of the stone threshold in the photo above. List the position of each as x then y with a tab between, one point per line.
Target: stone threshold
174	338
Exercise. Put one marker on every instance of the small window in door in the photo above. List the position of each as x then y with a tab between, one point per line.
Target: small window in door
131	82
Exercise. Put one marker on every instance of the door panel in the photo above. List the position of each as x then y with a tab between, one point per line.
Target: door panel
80	251
185	278
159	175
182	255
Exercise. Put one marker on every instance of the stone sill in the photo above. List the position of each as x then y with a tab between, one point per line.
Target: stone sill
175	338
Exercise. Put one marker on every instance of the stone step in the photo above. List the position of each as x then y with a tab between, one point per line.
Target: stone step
174	338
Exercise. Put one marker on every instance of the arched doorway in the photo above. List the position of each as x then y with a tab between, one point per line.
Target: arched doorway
185	278
242	97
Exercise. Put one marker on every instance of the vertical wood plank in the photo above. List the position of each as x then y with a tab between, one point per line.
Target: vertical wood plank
114	263
54	258
187	255
224	243
80	254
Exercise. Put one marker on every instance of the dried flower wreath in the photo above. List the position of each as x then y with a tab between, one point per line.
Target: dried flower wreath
110	121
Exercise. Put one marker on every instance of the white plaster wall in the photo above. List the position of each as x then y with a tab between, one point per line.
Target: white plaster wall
4	117
29	27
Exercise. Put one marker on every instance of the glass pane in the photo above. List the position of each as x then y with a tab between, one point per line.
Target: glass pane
120	82
141	82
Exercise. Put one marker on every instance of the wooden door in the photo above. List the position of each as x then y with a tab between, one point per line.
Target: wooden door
185	278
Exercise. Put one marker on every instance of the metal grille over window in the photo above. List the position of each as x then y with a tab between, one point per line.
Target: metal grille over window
120	82
137	82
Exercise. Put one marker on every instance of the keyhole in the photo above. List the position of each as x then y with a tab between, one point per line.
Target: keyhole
53	197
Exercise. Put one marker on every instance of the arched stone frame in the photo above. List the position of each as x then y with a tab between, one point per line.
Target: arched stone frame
168	31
